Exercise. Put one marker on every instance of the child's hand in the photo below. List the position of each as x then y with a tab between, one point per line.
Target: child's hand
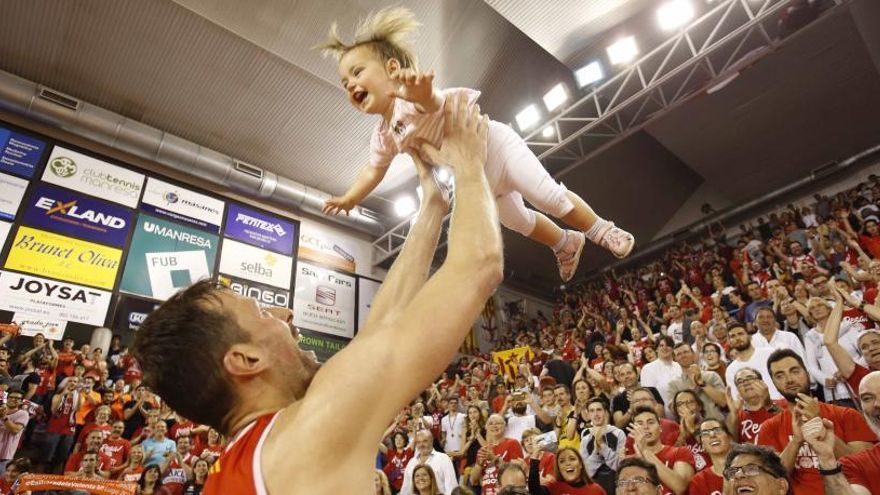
414	87
337	204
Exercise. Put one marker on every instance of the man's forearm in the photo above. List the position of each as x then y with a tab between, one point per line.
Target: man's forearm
789	454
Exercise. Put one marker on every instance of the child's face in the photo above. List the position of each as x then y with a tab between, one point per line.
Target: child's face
366	80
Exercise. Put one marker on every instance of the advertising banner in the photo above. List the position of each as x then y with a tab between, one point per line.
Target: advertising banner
322	246
91	176
255	264
11	192
265	295
67	484
51	300
5	227
32	325
165	257
259	229
324	346
55	256
67	212
367	290
131	312
324	300
182	205
19	153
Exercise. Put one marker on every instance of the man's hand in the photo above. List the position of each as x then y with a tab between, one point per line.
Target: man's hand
414	87
338	204
819	433
464	144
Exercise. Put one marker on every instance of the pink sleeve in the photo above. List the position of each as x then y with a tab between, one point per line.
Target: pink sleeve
451	93
382	148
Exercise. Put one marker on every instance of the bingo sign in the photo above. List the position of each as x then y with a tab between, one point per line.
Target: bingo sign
260	230
66	212
19	153
265	295
64	258
88	175
182	205
165	257
324	300
51	300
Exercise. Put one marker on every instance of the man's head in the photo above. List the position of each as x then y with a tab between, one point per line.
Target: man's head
626	374
13	399
636	476
424	442
674	312
117	428
788	373
750	385
89	462
796	248
495	425
738	336
513	475
184	444
869	346
765	320
548	397
159	430
237	340
642	397
597	411
664	347
94	439
562	394
684	355
646	418
452	404
755	468
869	394
754	291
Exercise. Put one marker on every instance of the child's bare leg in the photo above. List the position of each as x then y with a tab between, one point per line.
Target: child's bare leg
546	232
582	217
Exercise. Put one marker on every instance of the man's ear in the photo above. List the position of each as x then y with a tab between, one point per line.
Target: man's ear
244	360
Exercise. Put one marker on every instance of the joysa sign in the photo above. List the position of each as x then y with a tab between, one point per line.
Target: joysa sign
52	300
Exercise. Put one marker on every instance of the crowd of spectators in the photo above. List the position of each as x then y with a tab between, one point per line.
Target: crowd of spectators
736	359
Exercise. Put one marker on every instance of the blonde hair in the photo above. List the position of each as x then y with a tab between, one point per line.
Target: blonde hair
383	480
386	32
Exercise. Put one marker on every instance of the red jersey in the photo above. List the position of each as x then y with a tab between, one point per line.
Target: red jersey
132	474
396	461
175	479
72	465
116	450
65	363
238	469
750	421
670	455
508	450
849	426
706	482
862	467
855	378
563	488
63	422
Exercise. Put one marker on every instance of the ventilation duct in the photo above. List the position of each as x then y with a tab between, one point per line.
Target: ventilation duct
65	112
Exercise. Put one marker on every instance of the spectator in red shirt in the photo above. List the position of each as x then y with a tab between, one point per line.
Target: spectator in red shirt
746	414
675	465
870	239
571	476
116	448
783	432
716	441
93	443
134	467
62	424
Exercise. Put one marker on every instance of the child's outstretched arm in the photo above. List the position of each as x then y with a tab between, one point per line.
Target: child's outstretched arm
367	180
418	89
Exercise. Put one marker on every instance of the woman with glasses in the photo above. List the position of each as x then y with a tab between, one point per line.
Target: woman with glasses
716	442
746	414
688	409
638	477
711	354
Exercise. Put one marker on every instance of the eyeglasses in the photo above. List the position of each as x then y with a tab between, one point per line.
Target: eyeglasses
749	471
746	379
711	431
687	402
635	481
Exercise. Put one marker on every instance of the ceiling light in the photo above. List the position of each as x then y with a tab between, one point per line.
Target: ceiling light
548	131
404	206
589	74
528	117
555	97
675	14
623	50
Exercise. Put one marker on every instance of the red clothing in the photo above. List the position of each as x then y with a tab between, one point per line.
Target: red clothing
863	467
750	421
507	450
498	403
671	455
395	464
234	472
65	363
547	464
175	479
182	429
63	421
132	474
84	433
871	245
706	482
104	462
856	377
214	451
116	450
849	426
563	488
668	435
47	381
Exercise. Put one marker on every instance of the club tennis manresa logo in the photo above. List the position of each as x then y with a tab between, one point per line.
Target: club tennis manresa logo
63	167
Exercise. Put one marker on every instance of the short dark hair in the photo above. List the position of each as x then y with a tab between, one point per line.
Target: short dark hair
681	344
638	462
514	490
601	401
721	422
736	324
768	458
198	389
780	354
667	340
645	409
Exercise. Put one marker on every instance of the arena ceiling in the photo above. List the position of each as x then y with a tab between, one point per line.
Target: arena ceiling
240	77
